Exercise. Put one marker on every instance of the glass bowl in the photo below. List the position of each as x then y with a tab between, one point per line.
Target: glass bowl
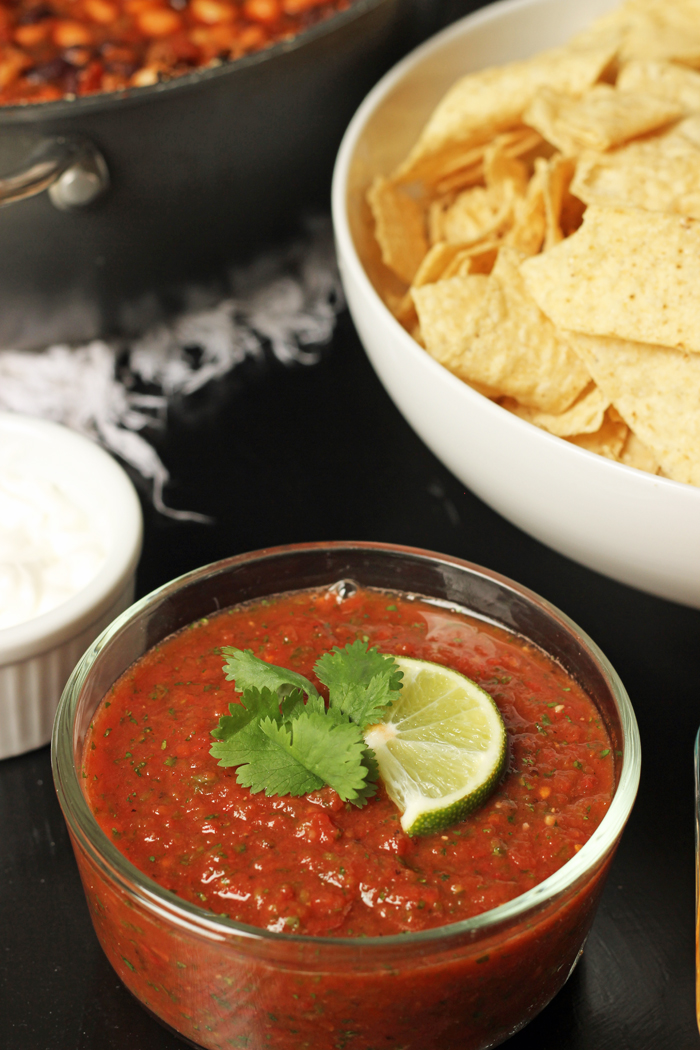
218	983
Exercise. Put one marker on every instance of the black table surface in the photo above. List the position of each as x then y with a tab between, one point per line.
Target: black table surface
280	455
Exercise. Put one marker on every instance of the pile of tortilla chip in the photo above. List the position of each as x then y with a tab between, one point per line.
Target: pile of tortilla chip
543	237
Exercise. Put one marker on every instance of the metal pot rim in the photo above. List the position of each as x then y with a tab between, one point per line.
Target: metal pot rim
35	112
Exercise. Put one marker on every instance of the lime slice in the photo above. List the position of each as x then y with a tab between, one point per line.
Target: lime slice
441	747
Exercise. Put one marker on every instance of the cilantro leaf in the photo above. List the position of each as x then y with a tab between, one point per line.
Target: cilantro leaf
255	704
294	758
293	704
250	672
361	681
317	704
334	753
264	763
283	744
371	779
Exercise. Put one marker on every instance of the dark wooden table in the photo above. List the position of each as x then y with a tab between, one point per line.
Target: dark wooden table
280	455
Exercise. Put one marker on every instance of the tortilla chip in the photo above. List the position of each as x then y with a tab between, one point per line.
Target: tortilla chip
609	441
436	211
500	170
684	132
518	141
399	228
483	211
546	215
493	334
459	180
523	141
461	167
585	416
448	177
479	258
528	229
608	31
642	29
657	393
650	29
462	259
659	38
657	175
435	262
602	118
663	79
463	157
388	286
452	175
482	104
558	174
638	455
572	212
448	313
529	225
475	215
626	273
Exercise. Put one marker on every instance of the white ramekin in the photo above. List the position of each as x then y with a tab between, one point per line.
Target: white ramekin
37	656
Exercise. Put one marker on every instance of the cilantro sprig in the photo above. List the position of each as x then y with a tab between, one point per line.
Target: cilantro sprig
286	741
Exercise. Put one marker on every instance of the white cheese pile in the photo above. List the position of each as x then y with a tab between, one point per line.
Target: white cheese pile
49	546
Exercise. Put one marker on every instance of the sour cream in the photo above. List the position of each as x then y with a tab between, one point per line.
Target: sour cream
50	546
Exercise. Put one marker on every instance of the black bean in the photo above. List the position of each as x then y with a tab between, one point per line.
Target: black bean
55	70
32	15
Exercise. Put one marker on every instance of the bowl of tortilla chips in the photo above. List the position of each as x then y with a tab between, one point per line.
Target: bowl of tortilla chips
517	217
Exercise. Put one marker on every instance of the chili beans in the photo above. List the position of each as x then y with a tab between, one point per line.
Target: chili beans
51	49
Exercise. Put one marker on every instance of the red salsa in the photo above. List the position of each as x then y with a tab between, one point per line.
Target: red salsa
51	49
316	865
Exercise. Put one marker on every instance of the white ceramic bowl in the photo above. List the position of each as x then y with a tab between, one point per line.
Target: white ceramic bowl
37	656
637	528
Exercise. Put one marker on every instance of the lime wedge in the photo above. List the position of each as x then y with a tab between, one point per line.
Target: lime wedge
441	747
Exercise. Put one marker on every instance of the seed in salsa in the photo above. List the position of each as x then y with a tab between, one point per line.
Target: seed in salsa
314	864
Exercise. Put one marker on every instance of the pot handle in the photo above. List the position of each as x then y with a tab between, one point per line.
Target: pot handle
71	169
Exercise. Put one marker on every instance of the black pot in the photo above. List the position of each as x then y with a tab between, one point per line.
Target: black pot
187	175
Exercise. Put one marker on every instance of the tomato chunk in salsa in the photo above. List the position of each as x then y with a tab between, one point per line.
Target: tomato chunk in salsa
51	49
316	865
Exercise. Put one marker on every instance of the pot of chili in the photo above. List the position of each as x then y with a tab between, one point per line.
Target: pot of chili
452	941
171	140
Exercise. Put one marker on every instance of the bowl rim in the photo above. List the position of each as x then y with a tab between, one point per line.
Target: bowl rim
349	258
30	112
41	633
180	912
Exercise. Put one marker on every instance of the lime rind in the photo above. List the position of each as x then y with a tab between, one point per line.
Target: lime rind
441	748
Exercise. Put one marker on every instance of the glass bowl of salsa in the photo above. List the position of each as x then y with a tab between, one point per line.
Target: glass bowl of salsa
244	920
